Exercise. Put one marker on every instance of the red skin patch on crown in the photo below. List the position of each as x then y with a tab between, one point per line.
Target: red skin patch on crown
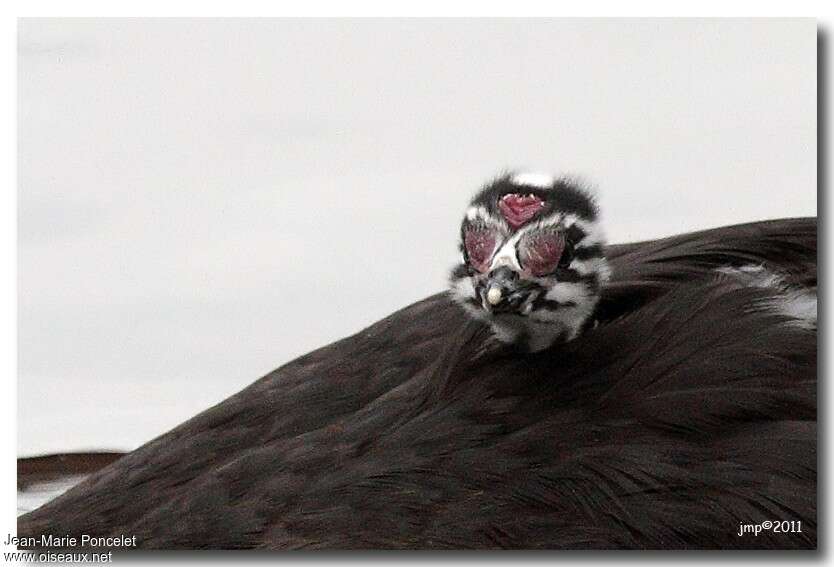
518	209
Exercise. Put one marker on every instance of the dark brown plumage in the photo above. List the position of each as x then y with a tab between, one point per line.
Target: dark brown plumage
686	411
56	467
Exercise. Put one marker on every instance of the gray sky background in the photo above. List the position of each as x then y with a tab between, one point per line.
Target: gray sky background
201	201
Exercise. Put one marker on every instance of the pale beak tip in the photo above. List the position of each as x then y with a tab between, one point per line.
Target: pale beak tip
494	296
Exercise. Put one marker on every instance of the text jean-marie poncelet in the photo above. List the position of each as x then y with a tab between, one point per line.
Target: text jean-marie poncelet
66	541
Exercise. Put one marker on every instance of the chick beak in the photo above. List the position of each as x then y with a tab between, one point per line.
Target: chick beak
494	295
501	291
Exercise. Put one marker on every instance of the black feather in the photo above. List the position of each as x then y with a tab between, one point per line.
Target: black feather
682	414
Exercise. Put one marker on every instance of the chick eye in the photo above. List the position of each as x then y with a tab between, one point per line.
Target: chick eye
540	252
479	244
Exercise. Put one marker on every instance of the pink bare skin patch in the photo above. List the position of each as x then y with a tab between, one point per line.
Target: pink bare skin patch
480	244
519	209
540	253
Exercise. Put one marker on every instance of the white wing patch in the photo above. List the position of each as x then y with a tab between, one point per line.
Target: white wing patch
800	306
797	303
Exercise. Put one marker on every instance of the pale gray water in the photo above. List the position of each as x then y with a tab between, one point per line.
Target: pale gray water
40	493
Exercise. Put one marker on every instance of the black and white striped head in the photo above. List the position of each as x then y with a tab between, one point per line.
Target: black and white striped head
533	259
